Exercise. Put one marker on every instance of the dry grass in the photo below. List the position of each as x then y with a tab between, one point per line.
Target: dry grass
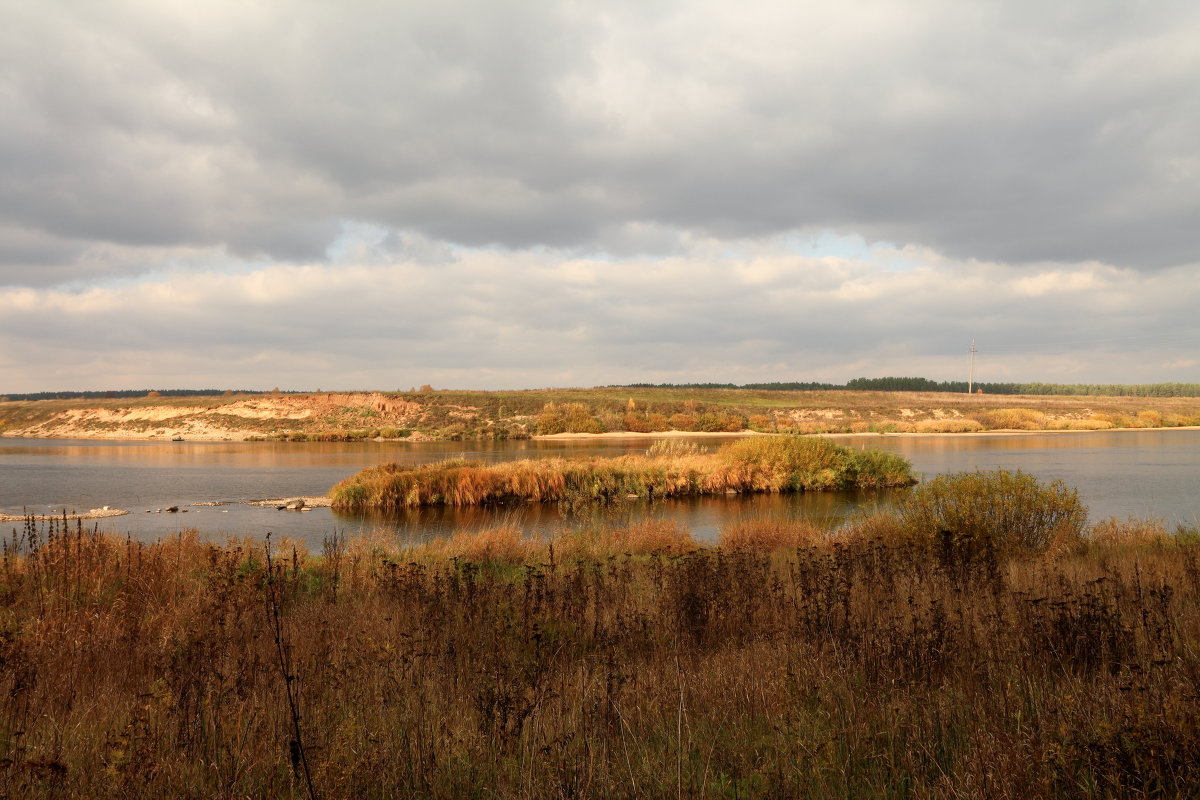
1113	533
1081	425
1022	419
642	538
860	667
770	535
948	426
506	545
866	666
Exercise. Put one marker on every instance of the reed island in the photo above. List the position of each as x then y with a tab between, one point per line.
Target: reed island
668	469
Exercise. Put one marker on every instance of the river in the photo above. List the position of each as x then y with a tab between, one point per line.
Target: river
1142	473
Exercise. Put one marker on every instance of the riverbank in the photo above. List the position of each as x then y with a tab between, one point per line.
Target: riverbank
460	415
861	434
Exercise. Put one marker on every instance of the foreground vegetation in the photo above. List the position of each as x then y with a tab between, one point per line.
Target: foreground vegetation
670	469
897	658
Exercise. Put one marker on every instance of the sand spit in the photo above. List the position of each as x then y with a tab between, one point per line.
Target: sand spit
95	513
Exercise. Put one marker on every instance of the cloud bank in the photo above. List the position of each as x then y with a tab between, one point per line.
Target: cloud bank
545	193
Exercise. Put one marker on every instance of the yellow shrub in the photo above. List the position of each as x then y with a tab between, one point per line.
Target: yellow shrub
1021	419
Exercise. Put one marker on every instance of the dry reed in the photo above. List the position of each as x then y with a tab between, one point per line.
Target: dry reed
763	464
769	535
866	666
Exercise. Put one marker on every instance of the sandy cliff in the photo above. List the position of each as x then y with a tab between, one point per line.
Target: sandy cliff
210	418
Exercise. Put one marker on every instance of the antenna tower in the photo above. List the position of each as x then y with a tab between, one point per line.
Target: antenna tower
971	372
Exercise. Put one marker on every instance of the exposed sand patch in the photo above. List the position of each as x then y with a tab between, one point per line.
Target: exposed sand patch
95	513
260	415
309	502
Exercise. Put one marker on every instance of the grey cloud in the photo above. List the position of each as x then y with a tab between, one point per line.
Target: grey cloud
1010	132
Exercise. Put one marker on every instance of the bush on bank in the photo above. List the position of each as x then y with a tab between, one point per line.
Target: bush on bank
1011	511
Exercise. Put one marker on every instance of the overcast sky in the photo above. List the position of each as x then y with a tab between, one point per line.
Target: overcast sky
517	194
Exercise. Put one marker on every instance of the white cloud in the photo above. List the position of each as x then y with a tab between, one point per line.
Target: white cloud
1055	281
493	318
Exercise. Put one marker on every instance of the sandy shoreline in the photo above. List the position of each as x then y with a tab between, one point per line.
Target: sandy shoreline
654	435
864	434
309	502
657	435
95	513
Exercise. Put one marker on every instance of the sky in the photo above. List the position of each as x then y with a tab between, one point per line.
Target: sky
524	194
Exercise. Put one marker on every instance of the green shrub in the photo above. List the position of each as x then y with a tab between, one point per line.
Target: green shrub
878	469
1011	510
807	463
567	418
720	422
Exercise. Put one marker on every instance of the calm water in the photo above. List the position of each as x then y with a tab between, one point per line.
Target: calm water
1153	473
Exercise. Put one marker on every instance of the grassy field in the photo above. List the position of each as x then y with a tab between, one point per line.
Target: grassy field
897	658
520	414
669	469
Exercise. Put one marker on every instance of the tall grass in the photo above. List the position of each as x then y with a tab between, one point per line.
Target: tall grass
770	535
864	666
763	464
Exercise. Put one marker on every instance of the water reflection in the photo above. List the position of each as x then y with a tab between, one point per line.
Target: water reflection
703	516
1149	473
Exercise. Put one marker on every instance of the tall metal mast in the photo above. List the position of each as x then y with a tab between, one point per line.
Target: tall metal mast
971	373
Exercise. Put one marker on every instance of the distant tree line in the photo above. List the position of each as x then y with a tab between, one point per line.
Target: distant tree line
123	393
783	386
892	384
